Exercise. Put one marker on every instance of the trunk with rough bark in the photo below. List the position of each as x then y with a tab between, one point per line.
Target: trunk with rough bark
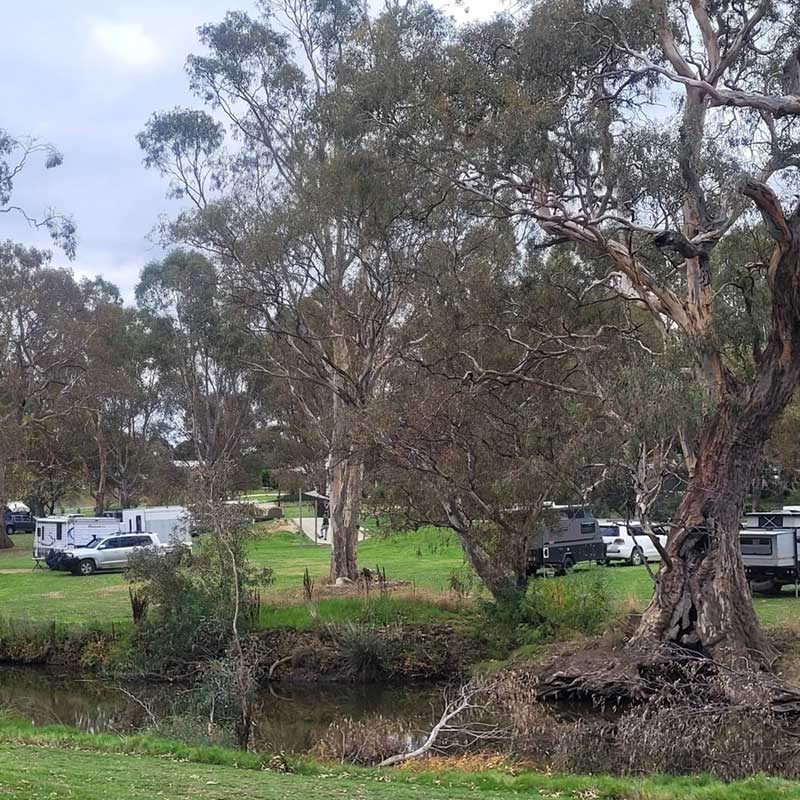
345	477
345	472
6	542
702	599
501	566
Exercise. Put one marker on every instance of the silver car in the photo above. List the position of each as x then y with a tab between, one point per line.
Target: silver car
109	553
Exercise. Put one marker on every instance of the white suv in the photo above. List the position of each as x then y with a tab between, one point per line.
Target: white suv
621	546
111	552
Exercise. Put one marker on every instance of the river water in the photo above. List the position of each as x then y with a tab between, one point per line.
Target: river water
290	718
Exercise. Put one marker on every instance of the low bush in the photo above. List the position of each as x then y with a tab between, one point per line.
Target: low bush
580	603
82	646
366	654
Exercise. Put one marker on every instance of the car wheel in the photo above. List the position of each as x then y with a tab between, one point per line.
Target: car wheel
86	567
567	564
9	529
637	557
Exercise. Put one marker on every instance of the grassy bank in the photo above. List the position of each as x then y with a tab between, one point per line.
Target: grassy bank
424	558
60	763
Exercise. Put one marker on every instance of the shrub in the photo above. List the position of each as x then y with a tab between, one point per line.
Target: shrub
192	598
463	581
574	604
365	652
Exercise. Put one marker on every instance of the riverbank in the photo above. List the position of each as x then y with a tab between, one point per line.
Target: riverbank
57	762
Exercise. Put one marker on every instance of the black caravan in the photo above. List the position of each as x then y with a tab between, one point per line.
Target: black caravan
567	536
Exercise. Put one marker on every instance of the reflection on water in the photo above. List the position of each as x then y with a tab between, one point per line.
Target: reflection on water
291	718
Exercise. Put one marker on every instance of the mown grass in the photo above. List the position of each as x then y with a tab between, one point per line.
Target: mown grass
423	558
59	762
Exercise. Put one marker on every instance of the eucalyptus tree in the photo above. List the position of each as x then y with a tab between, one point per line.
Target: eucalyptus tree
526	384
312	220
463	448
649	137
120	398
196	349
43	333
16	152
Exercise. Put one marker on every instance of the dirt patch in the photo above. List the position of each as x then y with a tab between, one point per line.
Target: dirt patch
54	595
13	571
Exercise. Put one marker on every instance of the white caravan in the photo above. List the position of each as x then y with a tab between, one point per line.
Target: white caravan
172	524
60	533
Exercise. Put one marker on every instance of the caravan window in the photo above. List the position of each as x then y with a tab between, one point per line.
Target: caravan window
59	526
756	545
138	522
587	528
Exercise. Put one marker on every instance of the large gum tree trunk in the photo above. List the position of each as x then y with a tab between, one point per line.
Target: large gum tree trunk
345	474
702	599
345	477
6	542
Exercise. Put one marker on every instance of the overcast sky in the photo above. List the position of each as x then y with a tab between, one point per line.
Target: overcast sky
85	75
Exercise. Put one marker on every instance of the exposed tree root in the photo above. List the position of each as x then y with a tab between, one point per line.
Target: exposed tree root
605	675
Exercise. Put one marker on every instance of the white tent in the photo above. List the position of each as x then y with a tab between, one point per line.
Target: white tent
18	507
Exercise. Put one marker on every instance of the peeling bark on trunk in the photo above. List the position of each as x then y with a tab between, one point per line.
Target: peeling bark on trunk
345	501
345	473
702	599
6	542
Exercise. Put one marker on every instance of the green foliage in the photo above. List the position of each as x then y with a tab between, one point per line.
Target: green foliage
267	480
89	647
366	655
197	599
580	603
463	581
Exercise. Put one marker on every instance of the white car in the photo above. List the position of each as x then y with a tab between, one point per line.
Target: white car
621	546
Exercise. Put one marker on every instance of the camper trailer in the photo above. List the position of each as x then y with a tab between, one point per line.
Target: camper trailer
170	523
769	543
60	533
573	536
783	518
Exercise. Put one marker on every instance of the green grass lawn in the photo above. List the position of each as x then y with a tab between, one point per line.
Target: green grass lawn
56	762
425	558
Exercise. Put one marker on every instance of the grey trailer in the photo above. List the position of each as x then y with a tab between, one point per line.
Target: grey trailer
770	557
572	536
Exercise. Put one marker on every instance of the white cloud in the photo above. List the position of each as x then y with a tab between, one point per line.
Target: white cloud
125	43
